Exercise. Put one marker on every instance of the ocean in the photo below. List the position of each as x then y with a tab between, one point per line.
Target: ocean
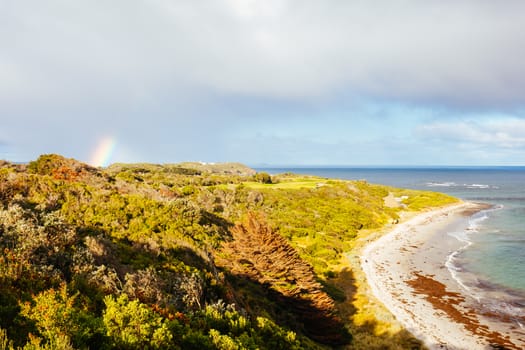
490	265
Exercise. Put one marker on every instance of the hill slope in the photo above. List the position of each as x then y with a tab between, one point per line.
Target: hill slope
162	257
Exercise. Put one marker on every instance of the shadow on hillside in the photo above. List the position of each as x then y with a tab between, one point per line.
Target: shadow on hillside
302	317
222	225
299	315
365	335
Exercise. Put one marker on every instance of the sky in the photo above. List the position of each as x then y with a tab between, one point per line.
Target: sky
264	82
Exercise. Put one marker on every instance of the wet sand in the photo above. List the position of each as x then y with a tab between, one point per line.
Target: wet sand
406	270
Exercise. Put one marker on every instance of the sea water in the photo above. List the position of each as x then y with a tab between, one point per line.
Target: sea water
490	264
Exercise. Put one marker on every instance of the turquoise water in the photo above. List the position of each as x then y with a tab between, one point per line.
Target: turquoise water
494	250
497	254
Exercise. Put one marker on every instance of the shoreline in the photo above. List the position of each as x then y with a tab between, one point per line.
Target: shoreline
405	269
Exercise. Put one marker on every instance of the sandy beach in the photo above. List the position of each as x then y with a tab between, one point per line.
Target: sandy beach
406	270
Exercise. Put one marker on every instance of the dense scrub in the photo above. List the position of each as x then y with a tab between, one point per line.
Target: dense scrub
260	254
164	257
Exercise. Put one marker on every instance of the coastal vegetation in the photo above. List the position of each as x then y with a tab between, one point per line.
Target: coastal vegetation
189	256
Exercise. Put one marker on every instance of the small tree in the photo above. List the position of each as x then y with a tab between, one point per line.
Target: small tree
263	177
260	253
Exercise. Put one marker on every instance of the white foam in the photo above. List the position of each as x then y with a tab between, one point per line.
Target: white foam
454	269
474	223
463	236
466	185
441	184
480	186
476	219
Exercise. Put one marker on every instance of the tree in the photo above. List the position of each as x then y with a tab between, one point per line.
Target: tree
263	177
261	254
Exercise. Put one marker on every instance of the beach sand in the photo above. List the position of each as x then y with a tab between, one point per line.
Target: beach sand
406	270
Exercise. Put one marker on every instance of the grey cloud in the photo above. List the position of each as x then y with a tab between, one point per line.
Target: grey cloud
505	133
465	52
176	80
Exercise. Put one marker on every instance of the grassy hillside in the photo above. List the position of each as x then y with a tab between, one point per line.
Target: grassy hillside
187	256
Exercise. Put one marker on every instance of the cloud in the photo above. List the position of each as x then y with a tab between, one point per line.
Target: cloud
468	52
506	133
324	81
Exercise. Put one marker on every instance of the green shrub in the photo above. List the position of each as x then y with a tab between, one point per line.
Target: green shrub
59	318
133	325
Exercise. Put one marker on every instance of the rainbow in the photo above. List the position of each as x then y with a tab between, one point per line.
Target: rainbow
103	152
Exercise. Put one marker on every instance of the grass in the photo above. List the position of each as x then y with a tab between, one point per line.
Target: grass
419	200
289	183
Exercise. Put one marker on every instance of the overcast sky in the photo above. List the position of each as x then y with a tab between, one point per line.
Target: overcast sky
282	82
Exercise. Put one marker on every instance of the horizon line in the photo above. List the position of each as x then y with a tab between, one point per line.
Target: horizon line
321	166
372	166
